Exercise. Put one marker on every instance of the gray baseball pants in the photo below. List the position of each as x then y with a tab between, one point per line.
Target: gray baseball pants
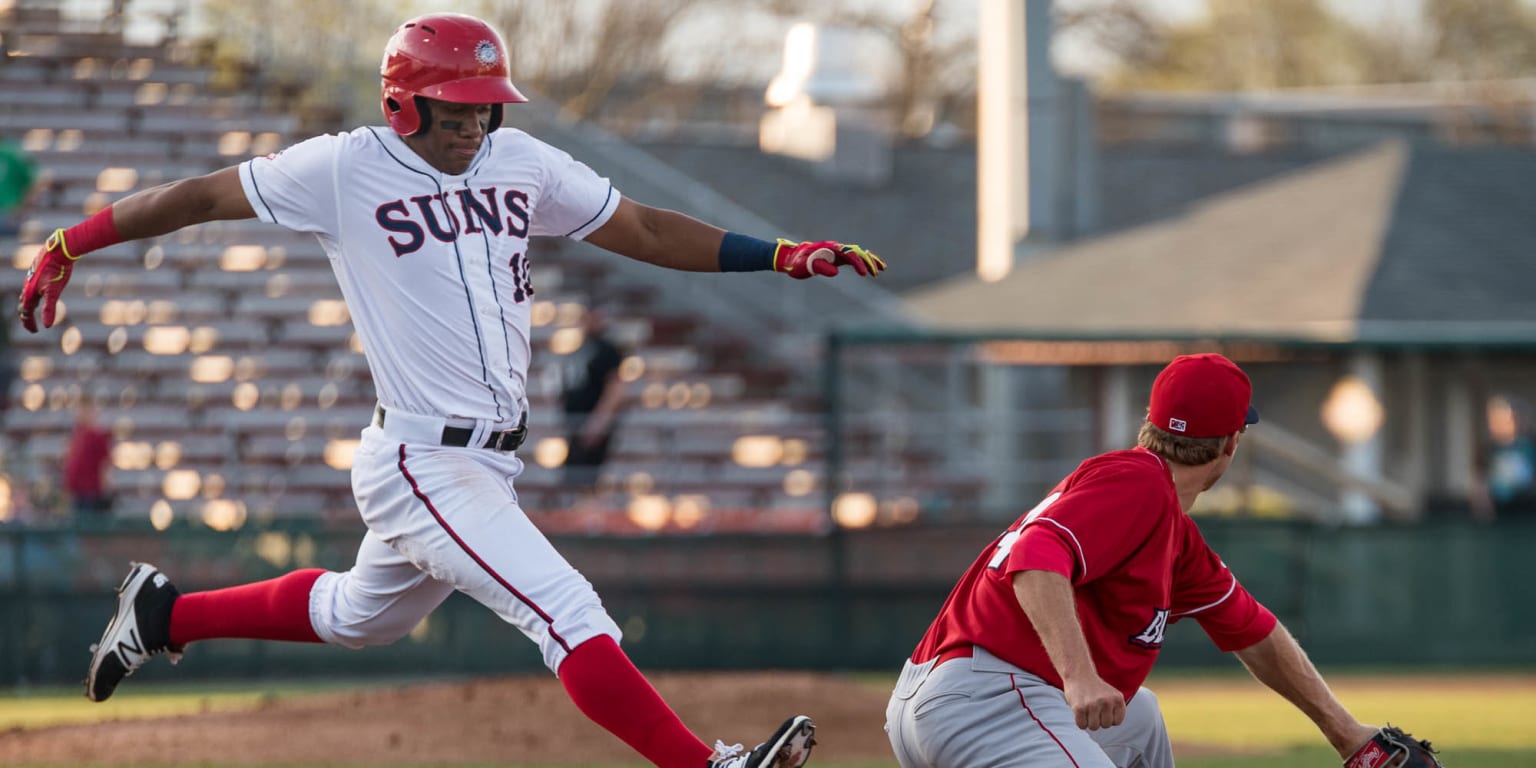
983	712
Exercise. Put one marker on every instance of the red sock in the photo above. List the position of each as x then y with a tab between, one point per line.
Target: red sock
609	690
276	609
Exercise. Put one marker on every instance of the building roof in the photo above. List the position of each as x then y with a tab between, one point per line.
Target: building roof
1397	243
1462	241
923	219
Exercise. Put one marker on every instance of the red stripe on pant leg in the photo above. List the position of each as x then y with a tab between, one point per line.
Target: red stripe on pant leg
1031	712
416	489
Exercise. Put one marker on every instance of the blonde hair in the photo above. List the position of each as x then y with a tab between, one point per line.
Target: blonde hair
1189	451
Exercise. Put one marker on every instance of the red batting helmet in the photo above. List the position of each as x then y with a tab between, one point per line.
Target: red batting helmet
448	57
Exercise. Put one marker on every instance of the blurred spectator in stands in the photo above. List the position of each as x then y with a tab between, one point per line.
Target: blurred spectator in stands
1510	464
85	465
592	397
16	180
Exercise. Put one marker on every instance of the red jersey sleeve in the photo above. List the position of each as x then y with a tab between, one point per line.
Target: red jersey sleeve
1099	517
1042	548
1205	589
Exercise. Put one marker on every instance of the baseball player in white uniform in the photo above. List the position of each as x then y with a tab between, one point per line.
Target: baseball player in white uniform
426	224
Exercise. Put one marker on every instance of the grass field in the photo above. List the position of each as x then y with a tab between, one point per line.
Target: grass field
1486	711
43	707
1479	721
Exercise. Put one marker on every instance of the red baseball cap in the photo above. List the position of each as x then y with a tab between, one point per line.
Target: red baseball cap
1202	396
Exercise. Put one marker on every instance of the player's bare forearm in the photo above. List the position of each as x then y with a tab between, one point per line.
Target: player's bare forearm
661	237
1046	597
169	207
156	211
1279	662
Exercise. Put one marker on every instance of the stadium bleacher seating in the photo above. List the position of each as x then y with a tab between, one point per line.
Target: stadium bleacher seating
220	358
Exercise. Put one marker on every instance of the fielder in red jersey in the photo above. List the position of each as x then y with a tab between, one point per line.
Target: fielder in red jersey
1039	654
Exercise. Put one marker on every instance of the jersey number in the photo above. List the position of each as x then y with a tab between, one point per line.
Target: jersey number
1006	541
522	283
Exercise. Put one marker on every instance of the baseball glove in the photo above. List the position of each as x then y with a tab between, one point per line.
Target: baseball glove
1391	748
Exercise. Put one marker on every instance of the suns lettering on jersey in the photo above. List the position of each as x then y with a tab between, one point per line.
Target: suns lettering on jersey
447	214
1151	636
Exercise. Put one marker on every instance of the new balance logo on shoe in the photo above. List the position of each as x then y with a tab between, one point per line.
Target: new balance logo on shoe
131	649
138	631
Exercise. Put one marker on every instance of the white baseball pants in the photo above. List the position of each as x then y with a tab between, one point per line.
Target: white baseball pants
442	519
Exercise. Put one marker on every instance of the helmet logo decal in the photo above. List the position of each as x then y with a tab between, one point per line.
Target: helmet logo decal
486	53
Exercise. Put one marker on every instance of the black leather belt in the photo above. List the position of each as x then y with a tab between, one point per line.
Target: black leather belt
458	437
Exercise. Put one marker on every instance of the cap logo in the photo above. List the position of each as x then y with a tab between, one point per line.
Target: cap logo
1177	425
486	53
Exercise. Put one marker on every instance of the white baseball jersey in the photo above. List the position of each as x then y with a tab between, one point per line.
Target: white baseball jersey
434	268
435	271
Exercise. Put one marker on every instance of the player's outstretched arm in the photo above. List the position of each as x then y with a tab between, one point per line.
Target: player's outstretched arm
1278	662
673	240
152	212
161	210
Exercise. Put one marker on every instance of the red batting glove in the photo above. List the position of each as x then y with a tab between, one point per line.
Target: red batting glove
45	281
802	260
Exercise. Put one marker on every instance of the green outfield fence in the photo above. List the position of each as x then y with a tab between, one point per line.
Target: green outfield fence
1434	594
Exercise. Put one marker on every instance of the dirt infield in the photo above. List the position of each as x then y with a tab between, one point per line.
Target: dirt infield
529	720
512	720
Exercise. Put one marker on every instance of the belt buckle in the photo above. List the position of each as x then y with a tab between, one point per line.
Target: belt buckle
506	437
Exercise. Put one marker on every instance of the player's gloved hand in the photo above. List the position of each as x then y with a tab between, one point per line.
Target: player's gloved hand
1391	747
45	281
824	257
